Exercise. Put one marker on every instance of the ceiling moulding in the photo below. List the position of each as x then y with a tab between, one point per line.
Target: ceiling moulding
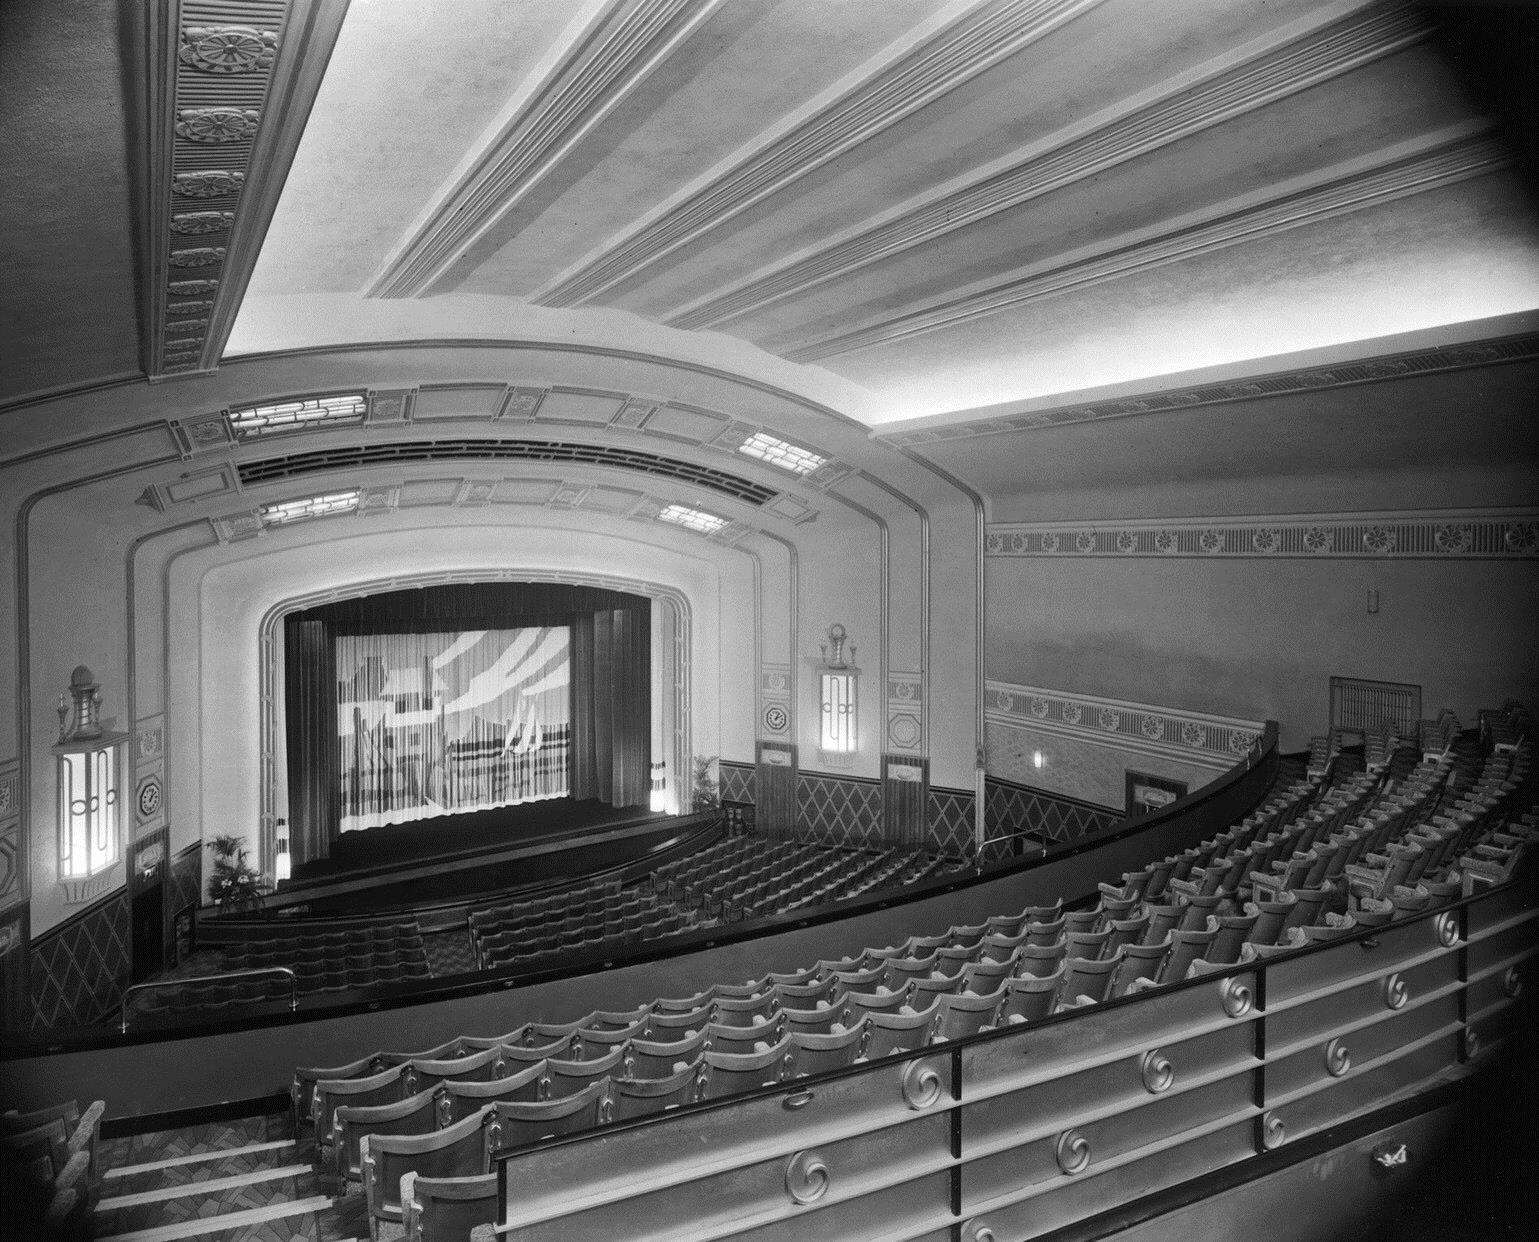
1448	534
1379	178
439	492
1193	736
605	61
231	85
1428	361
905	77
1262	72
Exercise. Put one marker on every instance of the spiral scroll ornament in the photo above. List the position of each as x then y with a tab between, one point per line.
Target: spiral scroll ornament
921	1085
1158	1073
1512	982
1396	991
1073	1152
1273	1132
806	1177
1446	925
1237	998
1337	1059
977	1230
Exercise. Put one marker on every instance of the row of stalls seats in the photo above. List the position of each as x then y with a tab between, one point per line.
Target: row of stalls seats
1316	861
49	1175
336	957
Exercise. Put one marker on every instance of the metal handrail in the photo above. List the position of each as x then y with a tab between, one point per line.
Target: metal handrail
229	975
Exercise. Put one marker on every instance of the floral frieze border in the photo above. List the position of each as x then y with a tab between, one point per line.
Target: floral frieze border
1197	736
1454	534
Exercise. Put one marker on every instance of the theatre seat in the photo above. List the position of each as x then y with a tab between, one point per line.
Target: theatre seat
446	1209
658	1059
459	1150
458	1100
727	1073
636	1097
518	1124
903	1031
417	1114
813	1054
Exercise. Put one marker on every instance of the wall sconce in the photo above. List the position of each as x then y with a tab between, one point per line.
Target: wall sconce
86	763
282	859
1036	758
839	695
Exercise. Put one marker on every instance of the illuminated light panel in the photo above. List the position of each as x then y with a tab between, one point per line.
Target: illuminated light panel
286	511
779	453
695	519
267	420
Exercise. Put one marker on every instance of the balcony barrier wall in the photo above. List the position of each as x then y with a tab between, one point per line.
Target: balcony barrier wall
1018	1132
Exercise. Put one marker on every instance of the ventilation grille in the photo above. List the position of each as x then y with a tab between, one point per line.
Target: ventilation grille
272	468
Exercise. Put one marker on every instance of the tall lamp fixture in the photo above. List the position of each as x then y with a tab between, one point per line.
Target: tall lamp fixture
86	759
839	695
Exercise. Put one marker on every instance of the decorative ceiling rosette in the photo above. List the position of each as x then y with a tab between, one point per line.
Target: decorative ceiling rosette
209	183
228	49
216	125
202	221
1379	540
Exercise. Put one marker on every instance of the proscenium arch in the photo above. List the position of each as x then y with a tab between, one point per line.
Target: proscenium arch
678	638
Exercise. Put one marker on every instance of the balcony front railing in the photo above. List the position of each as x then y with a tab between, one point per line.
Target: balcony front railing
1015	1132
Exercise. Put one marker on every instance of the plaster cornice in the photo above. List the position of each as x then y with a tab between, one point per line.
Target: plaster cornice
1260	73
604	61
905	77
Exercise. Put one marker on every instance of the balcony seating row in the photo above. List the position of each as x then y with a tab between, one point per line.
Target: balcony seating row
48	1168
1314	862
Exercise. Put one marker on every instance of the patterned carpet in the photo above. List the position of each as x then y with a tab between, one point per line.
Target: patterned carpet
449	953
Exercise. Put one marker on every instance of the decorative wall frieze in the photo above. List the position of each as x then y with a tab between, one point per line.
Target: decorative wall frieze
1222	90
1194	737
911	74
1449	534
230	86
1429	361
604	63
905	712
1390	175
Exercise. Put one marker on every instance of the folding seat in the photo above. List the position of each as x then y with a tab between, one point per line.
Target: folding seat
564	1078
1271	917
591	1041
1086	977
1031	997
386	1087
477	1043
806	995
901	971
1373	912
459	1150
727	1073
302	1088
636	1097
1330	927
416	1114
1232	932
923	946
1441	891
964	937
1185	948
1081	920
1125	931
796	978
685	1004
1408	901
923	991
527	1054
663	1025
457	1099
987	975
741	991
903	1031
813	1054
1006	924
998	946
833	966
749	1011
860	980
724	1038
967	1013
48	1141
13	1122
1307	907
477	1067
1090	945
1039	960
438	1209
1199	908
1134	962
1045	934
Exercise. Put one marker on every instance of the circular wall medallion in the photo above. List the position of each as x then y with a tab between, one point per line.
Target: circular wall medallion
228	49
776	718
149	797
903	730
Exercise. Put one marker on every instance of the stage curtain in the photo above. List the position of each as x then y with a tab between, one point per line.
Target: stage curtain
611	706
310	677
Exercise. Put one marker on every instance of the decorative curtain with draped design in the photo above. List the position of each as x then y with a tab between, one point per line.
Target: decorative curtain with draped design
433	723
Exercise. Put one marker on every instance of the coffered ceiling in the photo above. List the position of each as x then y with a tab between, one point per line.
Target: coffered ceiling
946	211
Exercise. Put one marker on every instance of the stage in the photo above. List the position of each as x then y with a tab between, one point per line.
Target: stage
453	859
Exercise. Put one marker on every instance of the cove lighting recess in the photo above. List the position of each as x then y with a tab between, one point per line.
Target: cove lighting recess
265	420
286	511
779	453
695	519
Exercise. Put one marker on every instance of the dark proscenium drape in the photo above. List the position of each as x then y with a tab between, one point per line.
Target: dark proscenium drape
611	680
611	705
310	690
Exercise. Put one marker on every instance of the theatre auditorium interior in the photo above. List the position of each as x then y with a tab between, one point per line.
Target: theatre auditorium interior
846	620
